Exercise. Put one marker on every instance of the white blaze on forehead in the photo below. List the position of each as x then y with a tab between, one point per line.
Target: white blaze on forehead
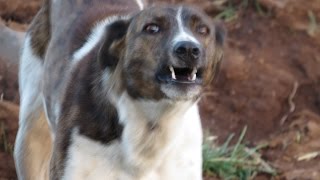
140	4
183	34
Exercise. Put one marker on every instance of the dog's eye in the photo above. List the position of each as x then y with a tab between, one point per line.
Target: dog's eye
151	28
203	30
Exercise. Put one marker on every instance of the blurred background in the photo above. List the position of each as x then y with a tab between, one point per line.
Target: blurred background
269	84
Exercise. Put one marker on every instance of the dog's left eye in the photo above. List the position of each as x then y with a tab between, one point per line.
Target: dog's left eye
151	28
203	30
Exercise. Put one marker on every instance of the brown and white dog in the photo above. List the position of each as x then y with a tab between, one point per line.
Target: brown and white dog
109	90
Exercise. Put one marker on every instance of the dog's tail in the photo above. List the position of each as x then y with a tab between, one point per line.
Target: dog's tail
40	30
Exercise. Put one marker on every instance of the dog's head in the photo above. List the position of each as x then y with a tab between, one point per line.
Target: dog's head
167	52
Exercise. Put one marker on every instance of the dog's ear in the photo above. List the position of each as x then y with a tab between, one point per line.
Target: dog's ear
220	36
113	43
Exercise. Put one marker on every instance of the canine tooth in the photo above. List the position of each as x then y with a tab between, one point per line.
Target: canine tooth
194	77
194	71
173	74
194	74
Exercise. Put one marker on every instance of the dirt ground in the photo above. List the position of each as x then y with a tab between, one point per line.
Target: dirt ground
269	82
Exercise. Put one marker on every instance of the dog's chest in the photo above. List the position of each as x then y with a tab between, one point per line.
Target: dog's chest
91	160
88	159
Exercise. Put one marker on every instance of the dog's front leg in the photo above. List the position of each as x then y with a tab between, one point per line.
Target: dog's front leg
33	148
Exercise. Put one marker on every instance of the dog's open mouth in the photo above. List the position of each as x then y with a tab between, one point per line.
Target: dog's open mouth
185	75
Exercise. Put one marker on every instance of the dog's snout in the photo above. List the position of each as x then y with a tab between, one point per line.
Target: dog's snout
187	50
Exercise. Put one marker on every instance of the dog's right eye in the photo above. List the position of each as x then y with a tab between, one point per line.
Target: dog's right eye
203	30
151	28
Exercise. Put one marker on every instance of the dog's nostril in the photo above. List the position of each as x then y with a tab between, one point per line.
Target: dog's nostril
195	51
181	50
187	49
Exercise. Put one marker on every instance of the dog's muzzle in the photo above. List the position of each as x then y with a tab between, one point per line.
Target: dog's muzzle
186	67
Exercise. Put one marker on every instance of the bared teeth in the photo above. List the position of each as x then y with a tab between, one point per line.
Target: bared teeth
173	74
194	74
194	77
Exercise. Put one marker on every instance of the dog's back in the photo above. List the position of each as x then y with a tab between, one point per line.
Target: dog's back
55	22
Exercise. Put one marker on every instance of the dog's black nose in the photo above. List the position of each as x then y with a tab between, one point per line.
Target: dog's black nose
186	50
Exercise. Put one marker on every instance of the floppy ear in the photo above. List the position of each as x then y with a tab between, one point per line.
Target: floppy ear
220	35
113	43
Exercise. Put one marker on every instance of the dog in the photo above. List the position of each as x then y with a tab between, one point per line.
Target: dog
109	90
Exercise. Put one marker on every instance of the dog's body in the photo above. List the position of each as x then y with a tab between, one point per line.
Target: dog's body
110	92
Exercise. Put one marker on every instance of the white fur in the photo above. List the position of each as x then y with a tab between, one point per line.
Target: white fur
140	4
175	92
175	147
29	81
183	34
30	77
29	162
89	159
95	37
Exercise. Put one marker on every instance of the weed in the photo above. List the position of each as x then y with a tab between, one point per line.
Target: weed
228	14
232	8
4	143
313	25
234	162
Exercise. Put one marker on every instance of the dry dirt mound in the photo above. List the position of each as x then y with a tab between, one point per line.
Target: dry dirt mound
19	10
270	81
295	151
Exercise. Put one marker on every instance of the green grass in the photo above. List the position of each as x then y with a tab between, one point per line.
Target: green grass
234	162
232	8
228	14
5	146
313	25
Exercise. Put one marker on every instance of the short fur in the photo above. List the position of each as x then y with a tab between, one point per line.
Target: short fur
98	100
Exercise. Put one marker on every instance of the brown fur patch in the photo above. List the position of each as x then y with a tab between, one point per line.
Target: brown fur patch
95	118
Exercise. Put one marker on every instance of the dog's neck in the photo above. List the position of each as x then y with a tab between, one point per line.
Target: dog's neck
155	112
151	129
